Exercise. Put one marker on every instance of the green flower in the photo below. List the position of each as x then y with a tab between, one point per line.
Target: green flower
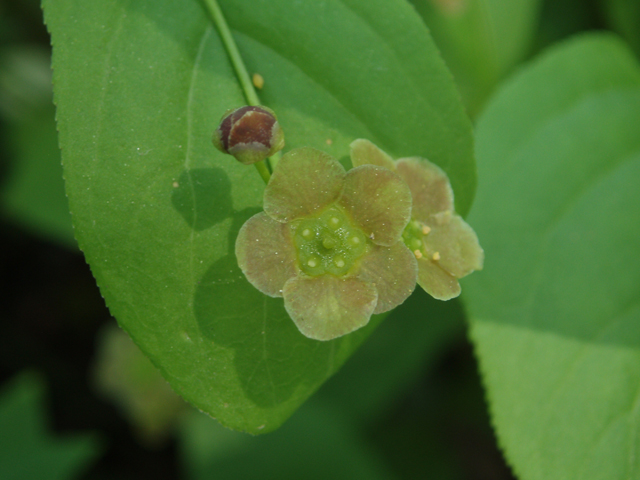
328	241
445	246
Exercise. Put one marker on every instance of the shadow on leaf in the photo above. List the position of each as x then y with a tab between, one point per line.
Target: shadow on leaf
272	358
203	197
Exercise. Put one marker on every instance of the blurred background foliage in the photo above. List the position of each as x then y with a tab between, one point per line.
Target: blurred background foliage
78	400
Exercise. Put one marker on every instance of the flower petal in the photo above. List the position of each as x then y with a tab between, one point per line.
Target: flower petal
265	254
393	270
363	152
305	180
327	307
456	244
435	281
429	186
378	201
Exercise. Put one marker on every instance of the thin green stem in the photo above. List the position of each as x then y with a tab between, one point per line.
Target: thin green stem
250	94
263	170
232	50
274	159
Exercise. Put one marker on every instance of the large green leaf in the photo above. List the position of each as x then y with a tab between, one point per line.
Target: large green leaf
481	40
555	313
139	88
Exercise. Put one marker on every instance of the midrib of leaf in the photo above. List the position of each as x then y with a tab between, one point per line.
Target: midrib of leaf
252	99
187	162
242	75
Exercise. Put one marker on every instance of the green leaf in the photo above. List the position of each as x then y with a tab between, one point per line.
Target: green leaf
555	315
139	88
33	194
624	17
481	40
27	450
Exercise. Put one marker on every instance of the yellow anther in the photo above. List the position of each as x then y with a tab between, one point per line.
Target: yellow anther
436	256
425	230
417	253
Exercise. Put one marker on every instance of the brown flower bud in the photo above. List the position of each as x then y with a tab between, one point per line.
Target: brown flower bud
249	133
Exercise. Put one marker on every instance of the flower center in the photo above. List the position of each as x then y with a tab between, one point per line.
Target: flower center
413	237
328	243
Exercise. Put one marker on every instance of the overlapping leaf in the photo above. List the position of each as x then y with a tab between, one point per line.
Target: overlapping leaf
556	319
481	40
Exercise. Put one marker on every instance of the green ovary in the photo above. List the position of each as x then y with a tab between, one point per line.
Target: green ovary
328	243
413	237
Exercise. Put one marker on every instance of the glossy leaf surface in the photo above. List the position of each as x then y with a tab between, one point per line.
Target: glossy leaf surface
555	313
139	87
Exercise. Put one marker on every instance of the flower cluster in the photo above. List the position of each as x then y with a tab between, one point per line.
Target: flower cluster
329	242
445	246
340	246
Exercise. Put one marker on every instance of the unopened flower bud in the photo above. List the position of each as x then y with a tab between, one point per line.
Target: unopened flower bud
249	133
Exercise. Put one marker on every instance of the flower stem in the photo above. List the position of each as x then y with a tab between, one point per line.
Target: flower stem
250	94
263	170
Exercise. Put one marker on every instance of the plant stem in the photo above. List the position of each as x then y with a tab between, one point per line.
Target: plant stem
250	94
232	50
263	170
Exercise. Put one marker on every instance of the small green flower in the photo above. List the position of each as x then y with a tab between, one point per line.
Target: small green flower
445	246
328	241
249	133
